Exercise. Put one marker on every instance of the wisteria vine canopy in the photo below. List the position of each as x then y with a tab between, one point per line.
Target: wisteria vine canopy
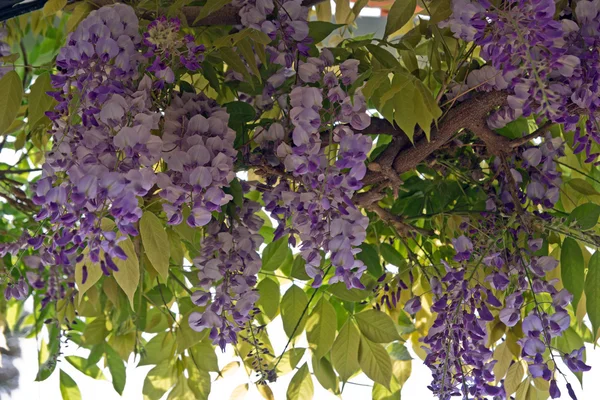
191	173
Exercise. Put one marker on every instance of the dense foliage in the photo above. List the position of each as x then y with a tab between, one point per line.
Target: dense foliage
191	173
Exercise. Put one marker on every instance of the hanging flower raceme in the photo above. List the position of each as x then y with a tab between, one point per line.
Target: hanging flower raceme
227	266
317	208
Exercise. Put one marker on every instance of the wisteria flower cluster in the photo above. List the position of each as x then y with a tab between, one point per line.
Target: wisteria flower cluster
549	67
105	150
318	208
538	164
227	273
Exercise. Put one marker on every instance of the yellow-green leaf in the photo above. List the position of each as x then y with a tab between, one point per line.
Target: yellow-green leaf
377	326
321	327
344	354
265	391
400	13
375	362
289	360
380	392
293	314
94	273
39	101
301	386
128	275
68	387
504	357
156	243
522	390
342	11
53	6
205	356
199	383
514	376
80	11
159	380
323	371
160	347
10	100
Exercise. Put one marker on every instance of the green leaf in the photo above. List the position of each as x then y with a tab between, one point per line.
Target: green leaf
344	354
321	327
301	386
68	387
440	10
269	293
582	186
274	254
299	269
323	371
586	215
10	101
398	351
48	356
53	6
240	112
205	356
293	311
592	292
234	61
159	380
319	30
245	47
400	13
161	347
340	290
368	255
128	275
386	59
407	102
39	101
375	362
377	326
391	255
116	367
572	269
81	364
156	243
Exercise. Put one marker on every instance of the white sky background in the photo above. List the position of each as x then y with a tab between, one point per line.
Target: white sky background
91	389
